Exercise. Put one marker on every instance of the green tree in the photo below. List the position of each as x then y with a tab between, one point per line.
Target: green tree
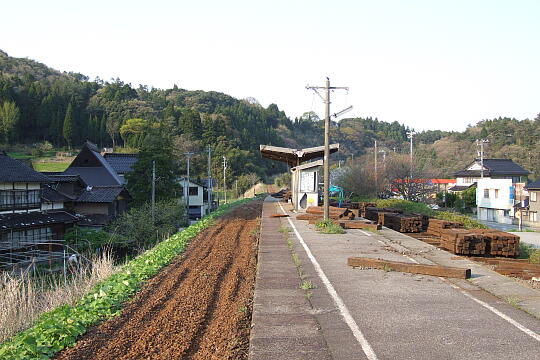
9	115
68	128
191	124
157	147
133	131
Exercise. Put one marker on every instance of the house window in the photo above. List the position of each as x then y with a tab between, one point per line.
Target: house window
16	239
193	191
533	216
496	193
532	196
19	199
486	193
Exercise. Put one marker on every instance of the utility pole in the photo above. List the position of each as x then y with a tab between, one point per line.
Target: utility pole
376	172
209	178
224	183
480	142
326	162
153	190
186	188
410	135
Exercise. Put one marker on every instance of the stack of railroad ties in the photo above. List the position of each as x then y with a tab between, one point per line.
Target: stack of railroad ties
453	237
374	218
473	241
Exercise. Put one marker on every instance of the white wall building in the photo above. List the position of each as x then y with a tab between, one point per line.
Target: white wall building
495	199
198	198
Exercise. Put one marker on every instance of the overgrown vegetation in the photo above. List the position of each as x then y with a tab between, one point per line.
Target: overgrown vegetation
134	230
527	251
24	298
60	327
329	227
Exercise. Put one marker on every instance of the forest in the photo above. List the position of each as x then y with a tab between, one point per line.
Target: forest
39	104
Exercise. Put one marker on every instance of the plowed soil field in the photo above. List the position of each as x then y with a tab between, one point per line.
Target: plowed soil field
198	307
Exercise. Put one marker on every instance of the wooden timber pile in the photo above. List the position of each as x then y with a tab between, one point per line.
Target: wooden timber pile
500	243
520	268
425	220
372	213
473	241
463	242
400	222
436	226
362	206
335	213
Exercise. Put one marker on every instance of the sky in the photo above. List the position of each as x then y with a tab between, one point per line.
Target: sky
429	64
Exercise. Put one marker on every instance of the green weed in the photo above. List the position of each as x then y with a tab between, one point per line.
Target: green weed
387	268
307	285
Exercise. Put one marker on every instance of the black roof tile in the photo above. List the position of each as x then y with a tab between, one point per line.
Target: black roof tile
533	185
97	194
23	220
121	163
495	167
12	170
52	195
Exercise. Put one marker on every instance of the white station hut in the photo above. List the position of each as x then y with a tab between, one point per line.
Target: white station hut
305	174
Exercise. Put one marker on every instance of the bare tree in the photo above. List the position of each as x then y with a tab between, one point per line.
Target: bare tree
397	176
253	179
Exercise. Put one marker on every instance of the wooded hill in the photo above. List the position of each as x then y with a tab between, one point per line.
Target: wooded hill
38	103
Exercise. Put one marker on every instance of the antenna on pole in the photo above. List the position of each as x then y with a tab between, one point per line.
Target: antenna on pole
326	162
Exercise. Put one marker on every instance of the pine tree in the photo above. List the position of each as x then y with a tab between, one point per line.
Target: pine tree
68	125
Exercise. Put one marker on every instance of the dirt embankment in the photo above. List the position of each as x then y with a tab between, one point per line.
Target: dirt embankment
199	307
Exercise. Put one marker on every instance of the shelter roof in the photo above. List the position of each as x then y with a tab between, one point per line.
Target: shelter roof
294	157
308	165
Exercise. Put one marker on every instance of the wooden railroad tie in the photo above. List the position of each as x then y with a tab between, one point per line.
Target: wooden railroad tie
433	270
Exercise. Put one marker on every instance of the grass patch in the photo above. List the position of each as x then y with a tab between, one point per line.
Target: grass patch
307	285
329	227
387	268
60	328
284	229
50	166
513	301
